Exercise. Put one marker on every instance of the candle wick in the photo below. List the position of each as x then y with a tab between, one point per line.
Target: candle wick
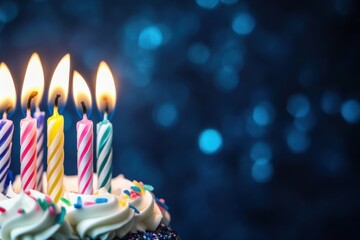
56	103
83	107
32	95
106	104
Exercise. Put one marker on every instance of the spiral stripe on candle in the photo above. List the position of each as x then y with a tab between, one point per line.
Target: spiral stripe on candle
104	155
6	131
85	158
55	170
40	149
28	155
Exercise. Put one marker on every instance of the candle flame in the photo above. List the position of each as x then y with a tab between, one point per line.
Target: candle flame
7	89
60	82
33	81
105	88
81	93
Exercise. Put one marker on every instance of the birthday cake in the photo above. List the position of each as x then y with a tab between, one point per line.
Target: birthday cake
130	211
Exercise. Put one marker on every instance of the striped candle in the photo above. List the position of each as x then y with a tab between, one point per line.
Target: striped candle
84	130
40	119
104	153
28	152
6	134
55	159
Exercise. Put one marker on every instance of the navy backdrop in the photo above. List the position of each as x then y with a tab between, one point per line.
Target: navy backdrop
244	115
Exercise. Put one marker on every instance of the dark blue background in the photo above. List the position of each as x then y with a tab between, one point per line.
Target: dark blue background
244	115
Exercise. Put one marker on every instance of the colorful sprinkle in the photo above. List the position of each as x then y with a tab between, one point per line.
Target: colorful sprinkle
148	187
122	203
27	192
136	189
135	209
66	201
127	192
37	208
21	211
78	204
133	195
61	216
101	200
161	203
88	203
43	204
52	211
125	197
48	199
141	188
2	210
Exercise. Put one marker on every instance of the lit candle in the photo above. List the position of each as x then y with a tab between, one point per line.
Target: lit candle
55	132
28	136
35	76
84	130
105	100
7	102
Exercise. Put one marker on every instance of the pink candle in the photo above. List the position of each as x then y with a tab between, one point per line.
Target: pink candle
28	149
84	130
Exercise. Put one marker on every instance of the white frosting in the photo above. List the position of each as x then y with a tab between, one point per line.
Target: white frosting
33	223
109	219
100	220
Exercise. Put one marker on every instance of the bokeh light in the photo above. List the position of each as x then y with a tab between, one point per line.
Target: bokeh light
263	113
298	105
262	171
208	4
261	151
198	53
210	141
166	115
243	23
297	141
150	38
227	79
350	111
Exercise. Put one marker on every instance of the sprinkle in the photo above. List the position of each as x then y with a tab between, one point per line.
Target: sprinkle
141	188
43	204
37	208
101	200
48	199
135	209
122	203
61	216
96	193
27	192
125	197
21	211
127	192
2	210
52	211
78	204
136	189
66	201
133	195
148	187
88	203
161	203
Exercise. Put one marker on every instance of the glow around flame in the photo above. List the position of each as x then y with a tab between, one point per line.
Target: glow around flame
105	88
60	82
81	93
7	89
33	81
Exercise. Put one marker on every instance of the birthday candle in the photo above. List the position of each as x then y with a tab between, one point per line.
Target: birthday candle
105	99
8	102
55	132
28	148
35	76
84	129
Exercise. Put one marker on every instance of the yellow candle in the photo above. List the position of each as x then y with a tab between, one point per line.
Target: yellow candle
58	92
55	161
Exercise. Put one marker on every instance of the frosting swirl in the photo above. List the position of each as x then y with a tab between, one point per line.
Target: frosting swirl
32	216
98	216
